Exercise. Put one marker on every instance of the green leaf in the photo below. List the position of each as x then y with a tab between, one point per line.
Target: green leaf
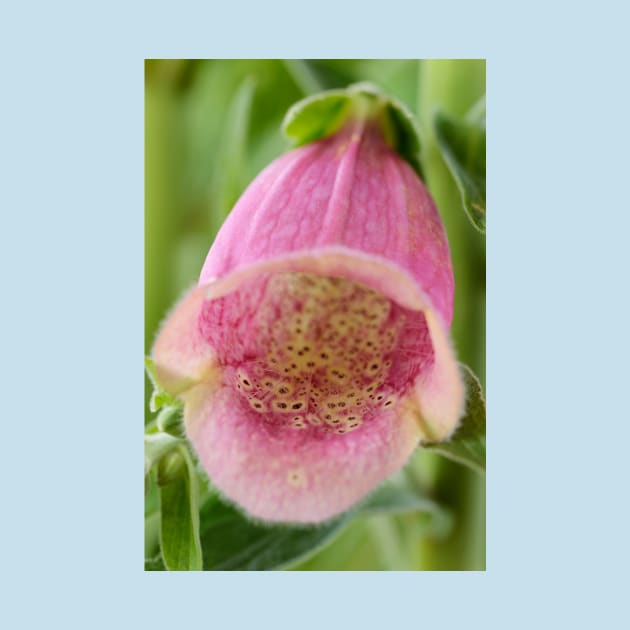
230	178
232	542
468	444
463	147
179	524
304	75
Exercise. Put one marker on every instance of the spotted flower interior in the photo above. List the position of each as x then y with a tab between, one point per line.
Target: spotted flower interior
315	354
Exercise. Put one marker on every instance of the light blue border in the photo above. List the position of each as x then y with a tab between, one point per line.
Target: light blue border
72	261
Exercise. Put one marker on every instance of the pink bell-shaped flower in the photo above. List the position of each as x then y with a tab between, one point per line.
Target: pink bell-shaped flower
313	356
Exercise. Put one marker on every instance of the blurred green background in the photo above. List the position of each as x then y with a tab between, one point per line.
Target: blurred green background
210	127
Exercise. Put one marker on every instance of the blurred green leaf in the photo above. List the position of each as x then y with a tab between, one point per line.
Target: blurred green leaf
179	526
305	75
233	147
468	444
401	498
463	147
154	564
232	542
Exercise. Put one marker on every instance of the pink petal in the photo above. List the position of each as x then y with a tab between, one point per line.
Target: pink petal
439	395
280	475
182	357
277	466
348	193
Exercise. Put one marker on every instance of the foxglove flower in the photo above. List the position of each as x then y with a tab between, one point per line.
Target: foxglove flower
313	356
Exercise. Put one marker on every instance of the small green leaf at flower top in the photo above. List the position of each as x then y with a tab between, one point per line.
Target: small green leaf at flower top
316	116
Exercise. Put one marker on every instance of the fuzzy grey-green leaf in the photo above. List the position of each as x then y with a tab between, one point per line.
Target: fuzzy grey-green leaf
179	520
232	542
468	444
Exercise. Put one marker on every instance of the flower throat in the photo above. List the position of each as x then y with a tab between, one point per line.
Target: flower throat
315	353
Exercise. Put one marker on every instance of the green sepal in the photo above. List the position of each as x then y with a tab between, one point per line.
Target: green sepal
323	114
463	147
404	134
316	117
468	444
